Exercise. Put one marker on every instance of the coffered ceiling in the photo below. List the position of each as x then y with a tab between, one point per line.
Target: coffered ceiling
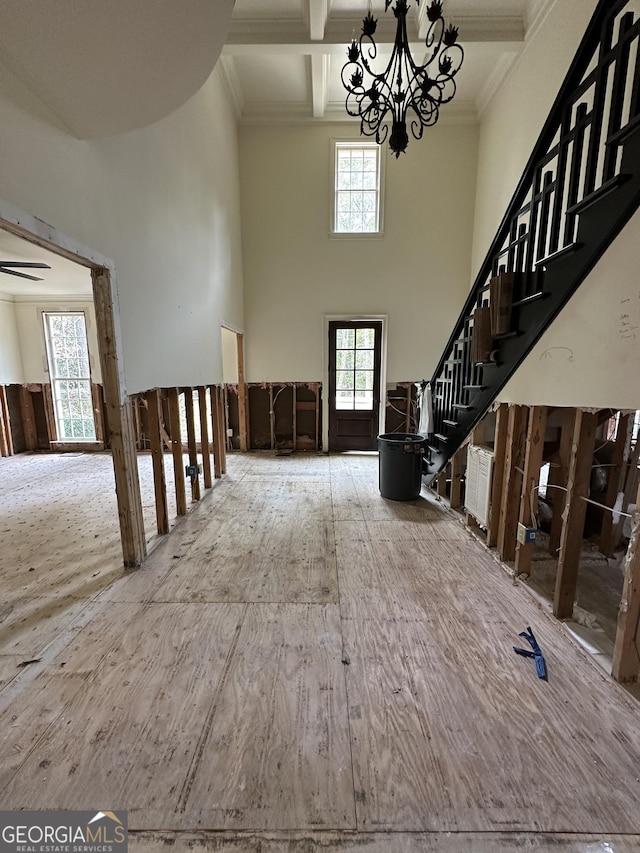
283	58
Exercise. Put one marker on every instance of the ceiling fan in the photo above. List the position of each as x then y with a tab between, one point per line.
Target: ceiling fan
8	268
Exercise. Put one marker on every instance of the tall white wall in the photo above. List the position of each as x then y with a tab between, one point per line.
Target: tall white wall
512	122
589	356
10	358
163	204
417	274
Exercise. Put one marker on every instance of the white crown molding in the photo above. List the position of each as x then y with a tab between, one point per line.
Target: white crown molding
536	14
286	35
61	300
264	114
232	85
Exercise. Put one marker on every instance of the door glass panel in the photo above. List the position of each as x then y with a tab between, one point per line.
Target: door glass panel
345	338
345	359
365	338
354	374
364	359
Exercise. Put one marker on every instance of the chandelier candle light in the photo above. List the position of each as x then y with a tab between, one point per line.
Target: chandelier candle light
383	99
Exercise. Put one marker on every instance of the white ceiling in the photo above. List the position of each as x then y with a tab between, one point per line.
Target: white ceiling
109	66
283	58
64	279
105	68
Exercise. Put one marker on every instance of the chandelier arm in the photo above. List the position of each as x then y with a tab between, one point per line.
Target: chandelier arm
403	86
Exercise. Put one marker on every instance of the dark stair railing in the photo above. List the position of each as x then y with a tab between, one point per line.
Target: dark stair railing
579	189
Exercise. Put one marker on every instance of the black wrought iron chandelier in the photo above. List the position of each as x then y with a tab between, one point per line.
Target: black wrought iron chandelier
380	100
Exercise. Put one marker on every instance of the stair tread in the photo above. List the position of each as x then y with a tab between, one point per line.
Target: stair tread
591	199
625	132
561	253
531	298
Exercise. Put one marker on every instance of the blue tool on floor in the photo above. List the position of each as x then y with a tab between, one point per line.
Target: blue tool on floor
541	666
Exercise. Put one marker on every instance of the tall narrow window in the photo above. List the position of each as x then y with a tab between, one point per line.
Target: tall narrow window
68	356
357	189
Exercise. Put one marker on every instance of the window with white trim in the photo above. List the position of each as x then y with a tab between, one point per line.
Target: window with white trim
68	357
357	188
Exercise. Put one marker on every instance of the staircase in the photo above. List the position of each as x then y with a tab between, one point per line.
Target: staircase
579	189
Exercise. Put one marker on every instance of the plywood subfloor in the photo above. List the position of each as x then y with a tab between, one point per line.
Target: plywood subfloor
305	666
59	542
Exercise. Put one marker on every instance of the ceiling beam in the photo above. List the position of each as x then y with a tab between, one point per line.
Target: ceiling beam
318	11
268	36
319	79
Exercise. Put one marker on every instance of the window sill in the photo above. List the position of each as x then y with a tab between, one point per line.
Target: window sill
356	235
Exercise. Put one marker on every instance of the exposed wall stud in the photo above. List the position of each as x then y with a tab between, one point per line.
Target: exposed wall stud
120	418
457	468
512	488
558	473
154	410
584	436
242	395
204	437
222	427
529	498
619	460
626	652
29	419
216	437
50	413
6	442
499	453
173	400
192	444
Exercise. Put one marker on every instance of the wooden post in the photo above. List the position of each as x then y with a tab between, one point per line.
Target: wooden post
407	420
499	451
512	488
138	421
222	427
28	419
6	443
272	425
619	460
457	467
626	652
442	482
216	436
242	395
98	411
154	413
204	437
317	387
584	437
558	474
176	450
49	412
294	416
120	418
191	443
529	497
630	486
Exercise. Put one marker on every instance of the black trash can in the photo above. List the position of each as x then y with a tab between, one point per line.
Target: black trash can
400	465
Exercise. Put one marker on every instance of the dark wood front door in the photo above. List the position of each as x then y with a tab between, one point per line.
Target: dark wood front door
354	384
